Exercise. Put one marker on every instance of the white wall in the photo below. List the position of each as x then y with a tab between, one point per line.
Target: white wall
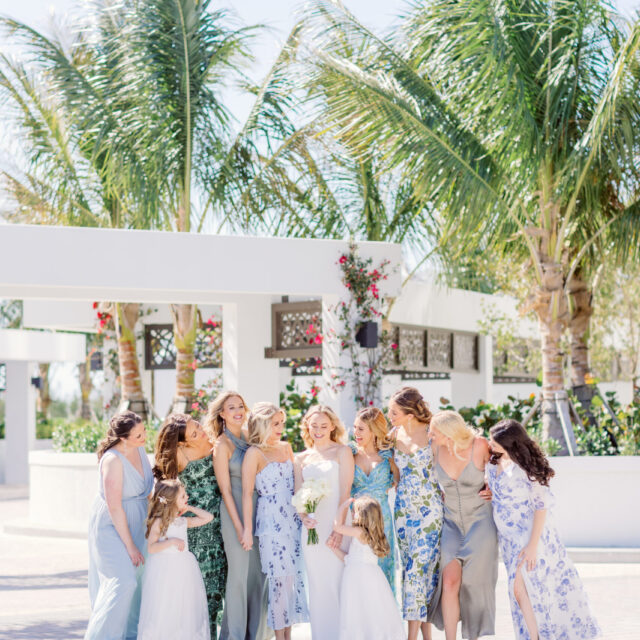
597	500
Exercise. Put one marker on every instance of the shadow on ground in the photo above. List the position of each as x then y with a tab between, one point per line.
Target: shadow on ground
69	629
64	580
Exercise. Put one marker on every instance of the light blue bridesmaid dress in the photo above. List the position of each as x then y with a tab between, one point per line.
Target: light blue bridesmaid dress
376	485
114	583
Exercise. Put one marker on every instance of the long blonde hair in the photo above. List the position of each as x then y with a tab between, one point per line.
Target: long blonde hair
214	423
367	515
376	421
452	425
163	504
259	423
339	433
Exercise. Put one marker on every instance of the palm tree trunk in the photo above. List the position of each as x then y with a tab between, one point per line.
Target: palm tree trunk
44	395
86	385
581	311
130	383
185	326
550	306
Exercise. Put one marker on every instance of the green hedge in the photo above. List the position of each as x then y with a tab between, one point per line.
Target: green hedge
83	436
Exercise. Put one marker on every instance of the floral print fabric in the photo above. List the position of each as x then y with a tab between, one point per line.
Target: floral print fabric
278	529
554	587
418	515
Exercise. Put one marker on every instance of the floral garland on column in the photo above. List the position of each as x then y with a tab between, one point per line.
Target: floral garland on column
363	304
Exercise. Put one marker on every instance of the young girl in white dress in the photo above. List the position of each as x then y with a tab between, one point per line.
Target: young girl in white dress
174	600
548	601
368	609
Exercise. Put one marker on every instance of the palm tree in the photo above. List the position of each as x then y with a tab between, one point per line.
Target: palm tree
67	108
504	115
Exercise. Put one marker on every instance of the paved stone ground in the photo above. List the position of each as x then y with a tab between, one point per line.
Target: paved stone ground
43	589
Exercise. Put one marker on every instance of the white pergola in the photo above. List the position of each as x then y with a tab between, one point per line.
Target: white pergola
243	274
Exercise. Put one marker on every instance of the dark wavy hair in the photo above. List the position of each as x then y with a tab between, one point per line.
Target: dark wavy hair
120	427
524	451
171	433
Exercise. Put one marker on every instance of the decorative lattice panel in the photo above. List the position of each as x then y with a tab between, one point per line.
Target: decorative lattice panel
296	330
439	350
160	350
411	347
465	352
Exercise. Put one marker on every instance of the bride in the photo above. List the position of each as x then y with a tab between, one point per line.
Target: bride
326	457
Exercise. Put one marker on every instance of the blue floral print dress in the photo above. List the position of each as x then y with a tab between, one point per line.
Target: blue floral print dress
554	587
278	529
376	485
418	515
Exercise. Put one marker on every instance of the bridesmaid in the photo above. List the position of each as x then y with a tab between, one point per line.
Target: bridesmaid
418	508
183	451
245	609
375	473
325	457
268	467
469	543
117	528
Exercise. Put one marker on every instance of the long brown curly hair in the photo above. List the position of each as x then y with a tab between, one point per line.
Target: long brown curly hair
214	423
171	433
163	504
524	451
120	427
410	400
367	515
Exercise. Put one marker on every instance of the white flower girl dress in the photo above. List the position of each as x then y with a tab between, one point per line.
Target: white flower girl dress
368	610
174	600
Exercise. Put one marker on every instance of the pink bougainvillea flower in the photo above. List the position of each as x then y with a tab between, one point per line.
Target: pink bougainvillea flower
194	365
318	339
201	393
195	406
343	259
394	345
370	371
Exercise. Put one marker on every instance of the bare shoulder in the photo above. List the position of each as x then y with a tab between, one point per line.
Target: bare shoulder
222	446
111	464
302	456
482	443
344	453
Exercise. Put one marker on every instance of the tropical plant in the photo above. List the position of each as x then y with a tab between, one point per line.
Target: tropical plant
512	127
295	405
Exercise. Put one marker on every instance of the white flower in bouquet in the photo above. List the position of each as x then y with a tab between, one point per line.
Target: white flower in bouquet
306	500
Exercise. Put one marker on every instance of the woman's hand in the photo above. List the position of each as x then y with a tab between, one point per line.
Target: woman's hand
485	493
178	543
239	533
136	557
247	540
334	541
308	521
528	556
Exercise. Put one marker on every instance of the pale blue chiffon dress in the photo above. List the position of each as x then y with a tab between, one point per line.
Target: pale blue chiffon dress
114	583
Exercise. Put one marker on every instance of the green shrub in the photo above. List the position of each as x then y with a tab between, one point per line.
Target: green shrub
83	436
296	404
609	438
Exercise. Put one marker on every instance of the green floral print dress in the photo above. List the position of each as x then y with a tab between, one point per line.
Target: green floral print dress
206	542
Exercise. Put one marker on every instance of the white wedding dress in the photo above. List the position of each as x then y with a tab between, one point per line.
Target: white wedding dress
324	568
174	600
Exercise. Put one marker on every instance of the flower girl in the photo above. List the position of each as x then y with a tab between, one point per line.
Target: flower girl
368	609
174	601
547	597
268	465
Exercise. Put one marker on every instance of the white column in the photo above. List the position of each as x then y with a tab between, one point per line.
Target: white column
334	361
20	421
246	331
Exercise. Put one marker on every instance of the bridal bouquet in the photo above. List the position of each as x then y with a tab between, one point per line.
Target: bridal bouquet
306	500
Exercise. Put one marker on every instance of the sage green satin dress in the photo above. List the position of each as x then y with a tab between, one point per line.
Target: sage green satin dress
470	536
